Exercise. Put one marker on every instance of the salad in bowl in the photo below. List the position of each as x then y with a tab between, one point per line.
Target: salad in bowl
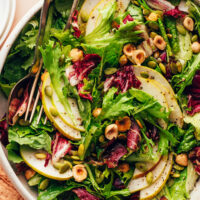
120	92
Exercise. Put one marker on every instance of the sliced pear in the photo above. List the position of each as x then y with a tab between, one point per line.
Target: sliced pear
85	10
122	5
62	113
151	191
149	165
59	124
153	74
94	17
141	183
176	115
28	155
192	177
150	88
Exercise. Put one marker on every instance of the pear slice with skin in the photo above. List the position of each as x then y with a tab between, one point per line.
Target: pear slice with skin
149	165
122	5
154	75
151	89
59	124
151	191
28	155
95	18
176	115
141	183
63	115
85	10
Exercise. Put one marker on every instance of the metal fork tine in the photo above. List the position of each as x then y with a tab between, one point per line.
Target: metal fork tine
33	89
40	115
75	4
34	106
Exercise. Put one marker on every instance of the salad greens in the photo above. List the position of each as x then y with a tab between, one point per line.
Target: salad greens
51	56
129	131
181	81
178	189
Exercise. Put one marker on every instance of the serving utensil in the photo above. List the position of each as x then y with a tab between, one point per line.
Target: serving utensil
36	67
34	75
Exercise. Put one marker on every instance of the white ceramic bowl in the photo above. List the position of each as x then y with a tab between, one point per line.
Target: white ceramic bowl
10	19
19	182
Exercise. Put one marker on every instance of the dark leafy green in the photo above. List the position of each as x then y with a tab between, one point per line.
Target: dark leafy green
164	34
101	35
36	141
171	25
188	142
13	152
178	189
184	79
194	12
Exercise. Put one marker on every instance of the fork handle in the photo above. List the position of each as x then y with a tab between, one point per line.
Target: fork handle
69	21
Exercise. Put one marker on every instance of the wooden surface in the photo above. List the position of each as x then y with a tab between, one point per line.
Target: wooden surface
7	190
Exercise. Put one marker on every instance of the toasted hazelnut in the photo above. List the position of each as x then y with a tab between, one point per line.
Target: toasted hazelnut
79	173
124	167
195	47
29	173
76	54
153	17
128	49
96	112
188	23
138	56
159	42
182	159
123	60
111	131
123	124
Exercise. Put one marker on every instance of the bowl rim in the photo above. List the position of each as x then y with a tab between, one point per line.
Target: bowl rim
6	165
16	31
9	20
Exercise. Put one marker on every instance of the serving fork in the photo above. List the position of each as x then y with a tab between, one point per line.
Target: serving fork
36	67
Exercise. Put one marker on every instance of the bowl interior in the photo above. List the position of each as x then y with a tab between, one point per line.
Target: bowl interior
19	181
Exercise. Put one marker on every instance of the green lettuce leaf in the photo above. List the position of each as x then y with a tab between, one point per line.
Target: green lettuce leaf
13	152
27	136
178	189
63	7
115	106
194	120
136	13
194	12
184	79
6	88
188	142
51	56
101	35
